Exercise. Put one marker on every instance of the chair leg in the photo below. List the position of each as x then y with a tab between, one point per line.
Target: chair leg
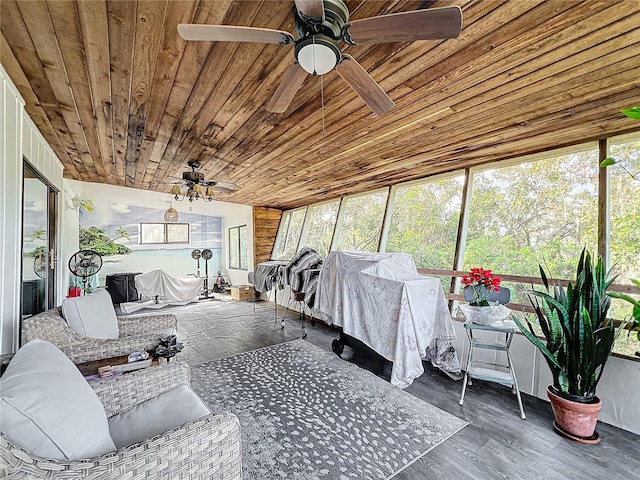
515	385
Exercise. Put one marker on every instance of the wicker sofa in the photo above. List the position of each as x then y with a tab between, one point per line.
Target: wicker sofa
136	333
205	446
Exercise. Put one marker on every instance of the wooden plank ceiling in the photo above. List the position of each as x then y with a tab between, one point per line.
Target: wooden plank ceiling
123	100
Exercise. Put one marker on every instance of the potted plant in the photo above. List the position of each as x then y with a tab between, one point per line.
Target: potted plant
578	339
481	290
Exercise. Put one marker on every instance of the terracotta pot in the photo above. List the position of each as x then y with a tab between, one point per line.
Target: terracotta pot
575	418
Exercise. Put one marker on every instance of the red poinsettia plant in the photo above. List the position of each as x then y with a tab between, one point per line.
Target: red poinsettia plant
482	282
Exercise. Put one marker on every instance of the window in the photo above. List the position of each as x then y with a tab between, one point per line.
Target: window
286	245
319	226
624	208
361	222
424	221
164	233
537	212
238	247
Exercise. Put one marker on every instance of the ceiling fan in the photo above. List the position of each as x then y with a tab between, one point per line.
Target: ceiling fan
194	186
320	25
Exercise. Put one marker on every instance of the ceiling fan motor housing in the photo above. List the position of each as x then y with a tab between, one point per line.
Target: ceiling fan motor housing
336	14
317	51
193	177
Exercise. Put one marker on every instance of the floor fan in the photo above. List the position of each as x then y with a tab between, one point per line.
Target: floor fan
196	256
206	255
85	264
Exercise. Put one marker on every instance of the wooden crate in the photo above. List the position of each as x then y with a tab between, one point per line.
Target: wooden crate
242	292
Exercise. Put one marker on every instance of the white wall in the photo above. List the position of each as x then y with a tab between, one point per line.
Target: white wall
232	214
11	112
18	138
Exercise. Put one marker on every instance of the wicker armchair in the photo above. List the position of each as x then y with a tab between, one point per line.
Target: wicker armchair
137	333
208	447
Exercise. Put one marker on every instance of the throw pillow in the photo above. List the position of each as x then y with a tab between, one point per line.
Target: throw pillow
92	315
156	416
49	409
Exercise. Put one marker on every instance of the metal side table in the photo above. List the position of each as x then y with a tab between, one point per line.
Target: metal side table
502	373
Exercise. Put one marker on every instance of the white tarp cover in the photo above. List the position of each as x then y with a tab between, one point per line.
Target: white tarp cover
381	300
167	287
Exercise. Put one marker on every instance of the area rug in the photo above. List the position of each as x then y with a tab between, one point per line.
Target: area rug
307	414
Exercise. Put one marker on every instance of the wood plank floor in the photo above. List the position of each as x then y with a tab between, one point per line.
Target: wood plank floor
497	444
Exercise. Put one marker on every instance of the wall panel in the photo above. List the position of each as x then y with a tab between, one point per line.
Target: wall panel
11	112
265	229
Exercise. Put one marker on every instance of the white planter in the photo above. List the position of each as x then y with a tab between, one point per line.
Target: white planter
485	315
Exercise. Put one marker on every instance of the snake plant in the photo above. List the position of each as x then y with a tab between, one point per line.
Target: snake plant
579	338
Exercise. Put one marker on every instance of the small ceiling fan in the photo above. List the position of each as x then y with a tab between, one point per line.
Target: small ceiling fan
194	186
320	25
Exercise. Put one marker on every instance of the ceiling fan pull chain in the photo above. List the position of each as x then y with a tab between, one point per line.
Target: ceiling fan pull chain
322	103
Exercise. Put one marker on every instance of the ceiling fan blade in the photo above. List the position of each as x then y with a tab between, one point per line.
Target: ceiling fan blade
220	189
229	33
429	24
365	86
311	10
232	187
288	88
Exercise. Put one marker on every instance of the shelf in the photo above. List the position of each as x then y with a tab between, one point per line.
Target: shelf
489	344
490	375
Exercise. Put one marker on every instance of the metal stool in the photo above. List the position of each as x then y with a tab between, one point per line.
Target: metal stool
504	373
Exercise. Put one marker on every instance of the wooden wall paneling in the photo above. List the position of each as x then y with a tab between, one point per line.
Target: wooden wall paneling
65	23
121	19
208	80
169	57
32	108
396	141
481	63
17	35
189	71
41	31
205	101
265	229
263	71
235	151
11	112
382	131
334	122
150	21
93	25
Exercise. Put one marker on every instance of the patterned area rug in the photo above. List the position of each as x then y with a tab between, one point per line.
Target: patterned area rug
307	414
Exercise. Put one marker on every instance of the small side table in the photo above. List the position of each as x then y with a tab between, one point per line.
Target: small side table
502	373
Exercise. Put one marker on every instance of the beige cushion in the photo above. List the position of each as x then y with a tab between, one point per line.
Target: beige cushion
92	315
49	409
156	416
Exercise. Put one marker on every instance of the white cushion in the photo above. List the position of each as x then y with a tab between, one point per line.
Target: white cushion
49	409
92	315
157	415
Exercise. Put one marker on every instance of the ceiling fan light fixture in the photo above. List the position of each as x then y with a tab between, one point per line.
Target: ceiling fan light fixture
317	54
